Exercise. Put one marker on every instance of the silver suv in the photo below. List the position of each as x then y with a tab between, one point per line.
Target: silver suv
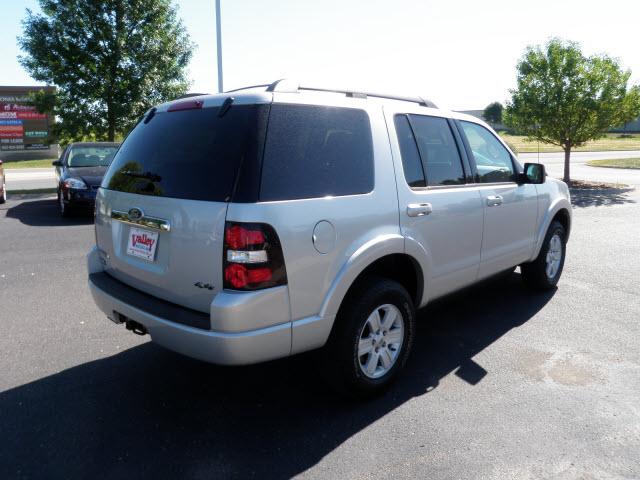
273	220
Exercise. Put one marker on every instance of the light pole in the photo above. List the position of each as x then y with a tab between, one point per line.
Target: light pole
219	41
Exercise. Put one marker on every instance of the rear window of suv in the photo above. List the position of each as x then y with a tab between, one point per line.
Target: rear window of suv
315	151
252	153
190	154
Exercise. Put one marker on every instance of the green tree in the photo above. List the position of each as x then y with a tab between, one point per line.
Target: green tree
565	98
493	113
110	60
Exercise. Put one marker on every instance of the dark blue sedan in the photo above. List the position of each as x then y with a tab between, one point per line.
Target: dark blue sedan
79	171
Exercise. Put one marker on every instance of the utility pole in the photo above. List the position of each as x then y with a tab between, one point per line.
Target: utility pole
219	41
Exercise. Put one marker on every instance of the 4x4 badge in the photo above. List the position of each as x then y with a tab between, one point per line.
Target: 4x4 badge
208	286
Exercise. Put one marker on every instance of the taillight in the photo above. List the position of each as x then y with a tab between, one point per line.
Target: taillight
252	257
239	237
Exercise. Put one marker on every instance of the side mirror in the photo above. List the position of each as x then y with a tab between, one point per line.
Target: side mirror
533	173
56	163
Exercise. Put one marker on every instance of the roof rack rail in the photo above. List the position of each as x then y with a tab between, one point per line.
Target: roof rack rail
246	88
189	95
290	86
284	85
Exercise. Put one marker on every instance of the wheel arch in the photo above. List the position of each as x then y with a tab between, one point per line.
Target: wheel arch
564	217
400	267
560	211
379	256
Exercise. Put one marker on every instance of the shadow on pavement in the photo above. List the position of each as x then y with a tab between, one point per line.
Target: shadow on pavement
147	412
600	197
44	213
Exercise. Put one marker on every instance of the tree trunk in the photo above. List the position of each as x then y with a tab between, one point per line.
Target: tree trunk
111	121
115	61
567	156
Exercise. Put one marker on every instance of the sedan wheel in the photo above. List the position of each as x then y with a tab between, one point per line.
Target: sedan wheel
64	210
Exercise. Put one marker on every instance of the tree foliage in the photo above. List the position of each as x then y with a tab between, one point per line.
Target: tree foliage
565	98
493	113
110	60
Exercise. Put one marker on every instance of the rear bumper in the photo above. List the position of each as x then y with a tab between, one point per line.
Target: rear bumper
225	348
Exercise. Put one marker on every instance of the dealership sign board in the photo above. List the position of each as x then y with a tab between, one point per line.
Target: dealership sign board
22	127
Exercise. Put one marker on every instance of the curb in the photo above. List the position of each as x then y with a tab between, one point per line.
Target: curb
26	194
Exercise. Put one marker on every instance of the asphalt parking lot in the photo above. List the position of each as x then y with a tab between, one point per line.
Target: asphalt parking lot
502	384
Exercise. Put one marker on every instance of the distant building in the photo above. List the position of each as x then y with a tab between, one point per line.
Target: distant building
24	132
629	127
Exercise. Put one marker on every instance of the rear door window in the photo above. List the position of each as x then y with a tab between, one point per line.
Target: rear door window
314	151
438	149
190	154
411	163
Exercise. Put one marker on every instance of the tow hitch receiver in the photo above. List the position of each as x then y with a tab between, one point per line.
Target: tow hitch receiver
136	327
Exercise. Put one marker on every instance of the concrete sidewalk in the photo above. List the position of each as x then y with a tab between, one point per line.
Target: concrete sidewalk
577	157
554	163
30	178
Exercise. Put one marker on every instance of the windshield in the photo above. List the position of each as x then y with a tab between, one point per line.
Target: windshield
91	156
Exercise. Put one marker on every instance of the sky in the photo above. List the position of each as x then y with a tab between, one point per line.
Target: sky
460	54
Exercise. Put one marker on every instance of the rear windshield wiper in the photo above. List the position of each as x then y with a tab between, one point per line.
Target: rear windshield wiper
152	177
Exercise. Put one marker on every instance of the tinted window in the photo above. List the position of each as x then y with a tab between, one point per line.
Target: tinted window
190	154
411	163
80	156
313	151
493	161
438	149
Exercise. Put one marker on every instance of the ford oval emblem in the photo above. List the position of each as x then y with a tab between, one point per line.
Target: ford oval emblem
135	214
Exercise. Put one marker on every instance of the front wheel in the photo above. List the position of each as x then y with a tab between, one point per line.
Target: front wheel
64	210
371	340
544	272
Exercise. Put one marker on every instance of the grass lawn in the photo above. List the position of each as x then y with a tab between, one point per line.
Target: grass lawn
612	141
11	164
616	163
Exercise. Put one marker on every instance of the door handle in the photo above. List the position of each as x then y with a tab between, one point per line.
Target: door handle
494	200
419	209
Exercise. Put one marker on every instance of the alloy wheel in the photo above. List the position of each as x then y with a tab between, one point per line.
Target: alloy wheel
554	256
381	340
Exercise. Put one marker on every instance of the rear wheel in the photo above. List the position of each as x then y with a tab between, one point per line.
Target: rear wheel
371	340
545	271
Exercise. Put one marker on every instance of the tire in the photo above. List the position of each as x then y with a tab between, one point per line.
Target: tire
342	361
545	271
65	211
3	197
